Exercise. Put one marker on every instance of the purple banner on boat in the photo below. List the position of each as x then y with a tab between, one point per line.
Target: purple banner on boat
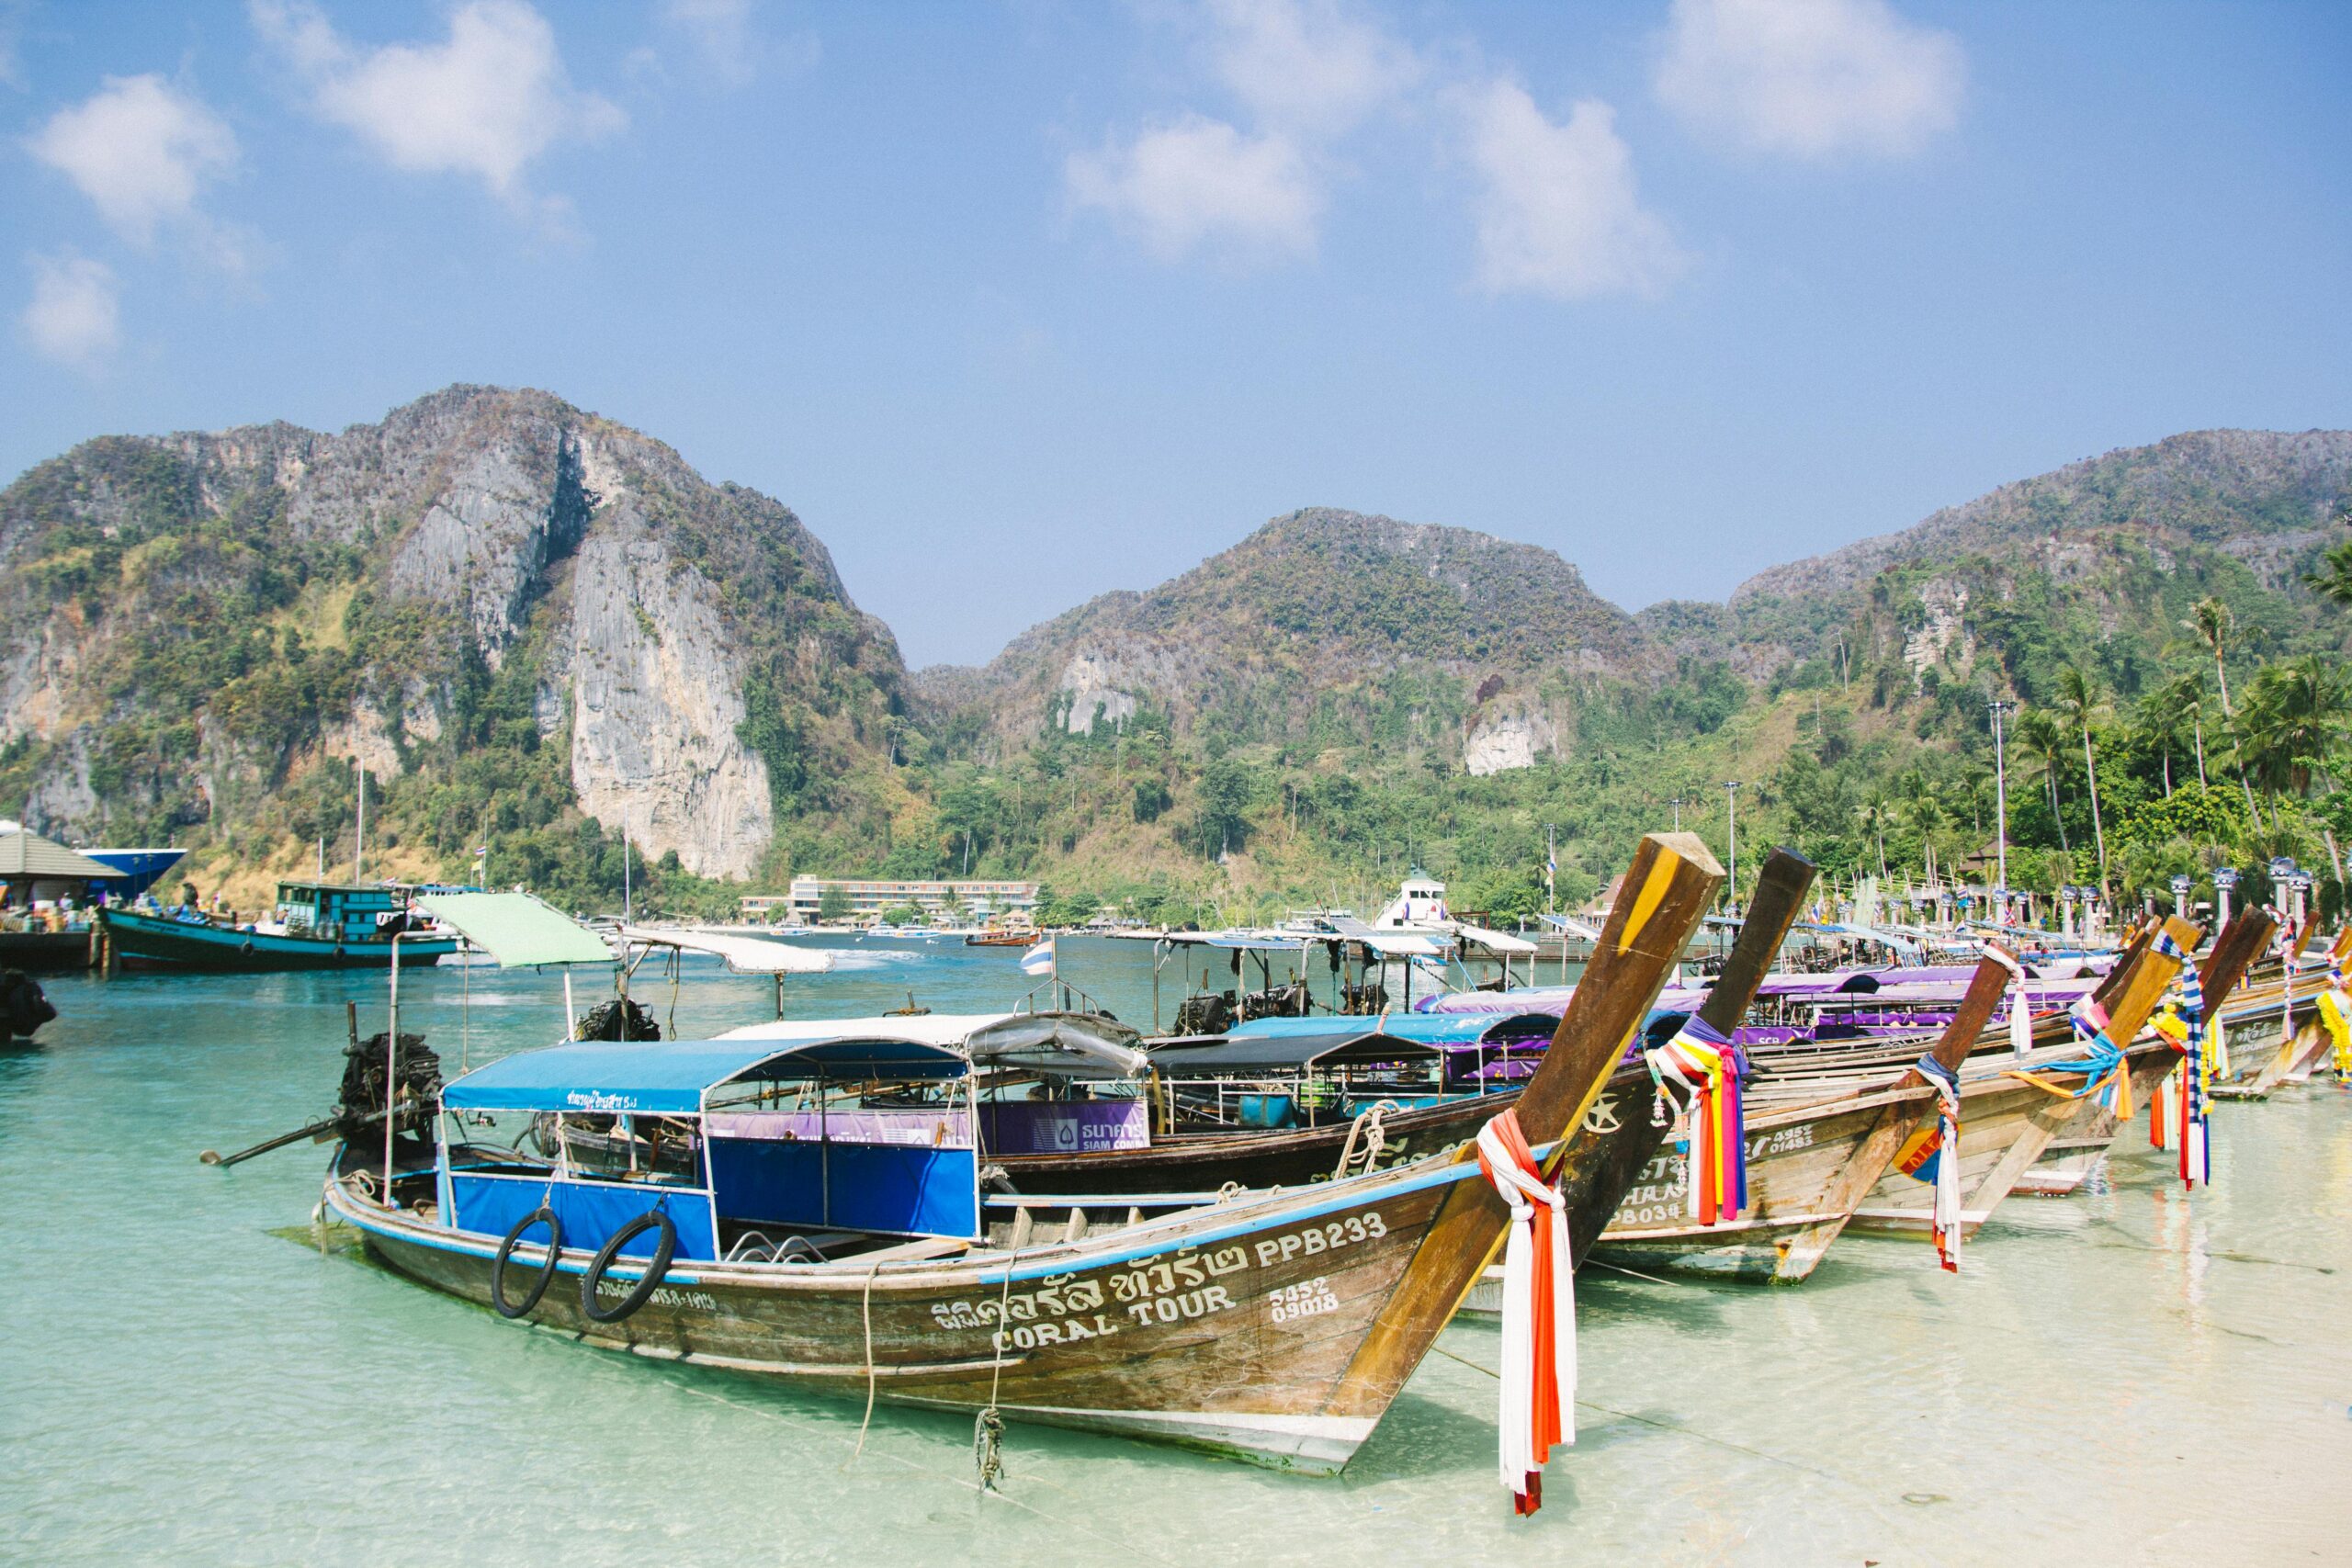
1064	1127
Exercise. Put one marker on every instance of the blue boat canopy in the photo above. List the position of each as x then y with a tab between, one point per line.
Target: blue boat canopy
674	1077
1422	1028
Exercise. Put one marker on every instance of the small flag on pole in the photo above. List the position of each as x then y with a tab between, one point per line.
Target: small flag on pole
1039	960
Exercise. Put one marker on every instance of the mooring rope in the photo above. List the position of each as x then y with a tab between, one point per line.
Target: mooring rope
988	1428
865	1311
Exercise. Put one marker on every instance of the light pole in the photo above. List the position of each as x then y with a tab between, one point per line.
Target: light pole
2000	707
1678	803
1731	816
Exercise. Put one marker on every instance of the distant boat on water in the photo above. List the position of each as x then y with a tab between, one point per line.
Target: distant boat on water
316	925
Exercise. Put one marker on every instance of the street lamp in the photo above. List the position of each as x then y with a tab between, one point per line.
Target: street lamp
1999	707
1731	813
1678	803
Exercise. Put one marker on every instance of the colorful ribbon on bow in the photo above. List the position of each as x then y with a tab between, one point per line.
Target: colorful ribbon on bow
2020	1010
2190	1104
1933	1156
1709	1068
2101	1065
1539	1371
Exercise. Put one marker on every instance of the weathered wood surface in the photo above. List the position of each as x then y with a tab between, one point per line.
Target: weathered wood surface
1230	1328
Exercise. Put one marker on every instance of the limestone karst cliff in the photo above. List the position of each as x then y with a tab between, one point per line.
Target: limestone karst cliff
195	624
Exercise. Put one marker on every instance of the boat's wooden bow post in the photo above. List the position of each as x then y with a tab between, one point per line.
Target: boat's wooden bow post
1974	1015
1664	896
1780	895
2243	940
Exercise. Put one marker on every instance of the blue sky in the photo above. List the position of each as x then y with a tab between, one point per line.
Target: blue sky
1017	303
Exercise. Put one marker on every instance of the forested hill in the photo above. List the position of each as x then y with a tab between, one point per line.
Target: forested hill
531	625
1323	628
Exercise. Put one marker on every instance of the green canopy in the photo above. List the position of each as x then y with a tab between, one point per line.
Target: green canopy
517	929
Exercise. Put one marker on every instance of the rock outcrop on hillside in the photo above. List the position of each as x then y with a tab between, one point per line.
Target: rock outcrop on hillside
358	594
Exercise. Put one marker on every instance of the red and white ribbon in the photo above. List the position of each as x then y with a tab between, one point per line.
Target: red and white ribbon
1539	1371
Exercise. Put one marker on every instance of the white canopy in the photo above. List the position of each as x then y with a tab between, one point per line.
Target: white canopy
744	954
1495	940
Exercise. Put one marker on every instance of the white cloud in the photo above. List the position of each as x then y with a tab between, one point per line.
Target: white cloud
487	101
720	32
1307	64
1809	78
141	149
74	317
1201	184
1308	72
1558	210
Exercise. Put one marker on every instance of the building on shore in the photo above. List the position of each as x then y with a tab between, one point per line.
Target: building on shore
866	899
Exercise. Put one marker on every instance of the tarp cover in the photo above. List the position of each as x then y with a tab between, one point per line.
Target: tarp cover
1339	1044
670	1078
517	929
1069	1043
743	955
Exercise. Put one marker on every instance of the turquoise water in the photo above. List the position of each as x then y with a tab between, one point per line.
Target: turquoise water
2122	1376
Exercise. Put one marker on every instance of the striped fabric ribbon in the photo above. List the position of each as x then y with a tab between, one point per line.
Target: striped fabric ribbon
1946	1216
1708	1067
1539	1371
2020	1008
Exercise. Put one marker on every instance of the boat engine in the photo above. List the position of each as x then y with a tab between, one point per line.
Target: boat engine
619	1018
359	1103
23	1008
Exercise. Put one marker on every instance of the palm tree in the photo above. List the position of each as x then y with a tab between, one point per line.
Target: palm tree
2078	699
2333	580
2158	722
2185	693
2295	722
1872	815
2211	621
2040	738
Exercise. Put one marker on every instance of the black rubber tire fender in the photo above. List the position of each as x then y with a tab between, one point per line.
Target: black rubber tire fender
654	1270
547	1270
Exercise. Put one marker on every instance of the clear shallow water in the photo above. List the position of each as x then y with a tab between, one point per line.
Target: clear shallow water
2119	1377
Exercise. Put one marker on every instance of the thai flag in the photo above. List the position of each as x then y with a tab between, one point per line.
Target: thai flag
1039	960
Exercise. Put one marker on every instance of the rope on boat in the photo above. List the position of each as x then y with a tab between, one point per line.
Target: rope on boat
1371	1126
865	1311
988	1428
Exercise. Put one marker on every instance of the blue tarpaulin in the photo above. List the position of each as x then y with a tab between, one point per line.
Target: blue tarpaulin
671	1077
1422	1028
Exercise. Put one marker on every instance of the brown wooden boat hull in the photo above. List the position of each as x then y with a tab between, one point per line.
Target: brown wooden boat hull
1807	1167
2006	1123
1231	1331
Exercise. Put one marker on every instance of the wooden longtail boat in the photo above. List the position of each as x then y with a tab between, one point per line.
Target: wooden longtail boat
1278	1328
1602	1155
2074	1153
1808	1166
2269	1002
2005	1122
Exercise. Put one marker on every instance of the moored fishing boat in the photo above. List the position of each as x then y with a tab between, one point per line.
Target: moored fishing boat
316	925
1278	1326
1809	1166
2010	1110
2072	1153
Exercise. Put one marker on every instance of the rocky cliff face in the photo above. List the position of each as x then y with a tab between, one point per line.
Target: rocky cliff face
193	620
